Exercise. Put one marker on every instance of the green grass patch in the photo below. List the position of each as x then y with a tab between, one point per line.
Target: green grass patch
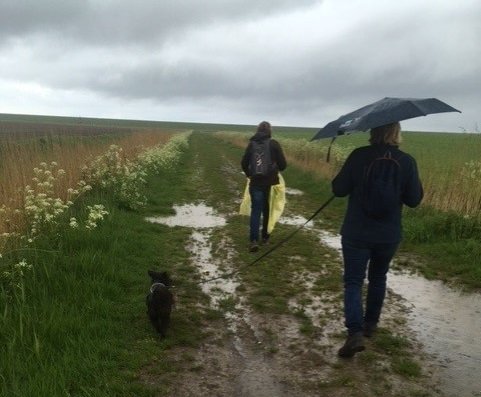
78	324
406	367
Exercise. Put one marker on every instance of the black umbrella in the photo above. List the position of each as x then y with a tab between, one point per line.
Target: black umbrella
385	111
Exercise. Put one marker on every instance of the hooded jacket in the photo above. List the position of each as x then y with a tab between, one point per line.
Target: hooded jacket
277	157
357	225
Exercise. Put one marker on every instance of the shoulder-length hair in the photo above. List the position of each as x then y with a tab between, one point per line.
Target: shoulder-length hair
388	134
264	127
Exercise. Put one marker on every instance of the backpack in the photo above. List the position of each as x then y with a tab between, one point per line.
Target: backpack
260	162
381	187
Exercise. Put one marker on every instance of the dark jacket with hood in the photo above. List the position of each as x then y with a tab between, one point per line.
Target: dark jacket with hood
277	157
357	225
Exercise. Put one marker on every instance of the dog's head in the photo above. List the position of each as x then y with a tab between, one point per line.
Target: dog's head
160	277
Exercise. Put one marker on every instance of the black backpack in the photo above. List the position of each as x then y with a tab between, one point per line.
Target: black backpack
260	162
381	186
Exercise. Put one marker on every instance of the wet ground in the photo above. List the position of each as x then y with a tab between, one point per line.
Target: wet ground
446	323
254	373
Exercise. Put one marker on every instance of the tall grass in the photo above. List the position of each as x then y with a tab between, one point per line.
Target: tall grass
300	152
449	164
446	229
21	153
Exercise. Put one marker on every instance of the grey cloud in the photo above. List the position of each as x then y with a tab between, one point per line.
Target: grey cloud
126	23
209	54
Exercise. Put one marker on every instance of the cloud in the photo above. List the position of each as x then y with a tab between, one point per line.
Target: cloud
123	23
302	63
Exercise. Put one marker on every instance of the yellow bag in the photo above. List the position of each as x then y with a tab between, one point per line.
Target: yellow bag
277	202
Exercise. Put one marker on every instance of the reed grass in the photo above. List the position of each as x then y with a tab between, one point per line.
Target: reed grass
21	153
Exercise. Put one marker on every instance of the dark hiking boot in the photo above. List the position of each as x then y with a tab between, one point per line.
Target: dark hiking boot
369	329
254	246
354	344
265	240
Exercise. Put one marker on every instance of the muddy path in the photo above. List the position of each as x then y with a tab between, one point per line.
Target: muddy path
279	323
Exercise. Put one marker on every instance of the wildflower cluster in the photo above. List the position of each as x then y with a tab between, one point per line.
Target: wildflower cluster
14	276
125	177
113	171
41	207
166	156
8	217
96	214
42	210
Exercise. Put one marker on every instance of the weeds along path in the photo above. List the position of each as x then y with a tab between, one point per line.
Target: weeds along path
273	328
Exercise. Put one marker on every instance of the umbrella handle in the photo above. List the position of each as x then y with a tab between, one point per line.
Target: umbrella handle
328	157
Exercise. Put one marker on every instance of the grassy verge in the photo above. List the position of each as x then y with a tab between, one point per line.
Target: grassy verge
77	325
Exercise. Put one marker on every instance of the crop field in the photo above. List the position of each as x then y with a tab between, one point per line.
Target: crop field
87	206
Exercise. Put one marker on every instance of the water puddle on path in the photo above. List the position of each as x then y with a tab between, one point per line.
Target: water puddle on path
202	219
294	192
197	216
446	321
295	220
256	376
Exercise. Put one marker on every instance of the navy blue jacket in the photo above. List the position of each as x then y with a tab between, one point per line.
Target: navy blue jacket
357	225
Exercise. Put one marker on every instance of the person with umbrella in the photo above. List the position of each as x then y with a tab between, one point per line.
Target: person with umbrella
371	230
379	179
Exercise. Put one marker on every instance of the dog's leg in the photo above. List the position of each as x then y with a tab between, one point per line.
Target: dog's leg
164	325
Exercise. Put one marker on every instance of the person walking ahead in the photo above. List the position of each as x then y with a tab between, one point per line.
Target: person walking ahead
261	148
371	231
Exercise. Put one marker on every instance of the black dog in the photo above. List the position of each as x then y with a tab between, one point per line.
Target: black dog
160	301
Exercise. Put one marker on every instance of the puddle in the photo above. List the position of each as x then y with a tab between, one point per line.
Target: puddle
197	216
295	221
220	288
331	240
446	321
202	219
294	192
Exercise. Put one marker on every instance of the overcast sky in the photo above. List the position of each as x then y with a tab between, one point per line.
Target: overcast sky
291	62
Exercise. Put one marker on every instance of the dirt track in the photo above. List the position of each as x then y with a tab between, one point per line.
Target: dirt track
254	353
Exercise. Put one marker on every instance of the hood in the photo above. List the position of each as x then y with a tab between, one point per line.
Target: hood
260	136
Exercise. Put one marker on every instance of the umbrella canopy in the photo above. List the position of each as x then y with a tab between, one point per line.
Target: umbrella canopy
385	111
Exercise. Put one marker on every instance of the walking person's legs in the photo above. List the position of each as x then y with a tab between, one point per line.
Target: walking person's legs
381	256
265	215
257	204
356	256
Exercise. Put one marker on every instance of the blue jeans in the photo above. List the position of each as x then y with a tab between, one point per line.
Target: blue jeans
357	255
259	206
